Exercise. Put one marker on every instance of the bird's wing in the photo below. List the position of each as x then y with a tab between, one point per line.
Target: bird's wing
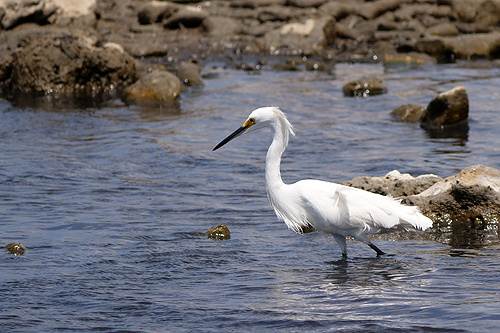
362	209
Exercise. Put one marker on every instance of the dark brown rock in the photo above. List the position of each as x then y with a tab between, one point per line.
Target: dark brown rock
70	62
447	108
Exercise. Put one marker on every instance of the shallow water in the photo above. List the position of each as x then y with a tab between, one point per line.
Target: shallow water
112	201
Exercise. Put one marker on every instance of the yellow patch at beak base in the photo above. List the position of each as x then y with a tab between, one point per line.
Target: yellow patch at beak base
249	122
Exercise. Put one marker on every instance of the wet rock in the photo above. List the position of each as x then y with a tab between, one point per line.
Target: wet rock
16	249
220	232
70	62
307	37
394	183
473	194
156	88
187	17
447	108
156	11
409	113
222	26
189	73
364	87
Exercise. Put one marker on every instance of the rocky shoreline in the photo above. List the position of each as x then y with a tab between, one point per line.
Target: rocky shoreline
144	52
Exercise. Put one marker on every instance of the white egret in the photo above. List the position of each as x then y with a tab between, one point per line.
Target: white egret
328	207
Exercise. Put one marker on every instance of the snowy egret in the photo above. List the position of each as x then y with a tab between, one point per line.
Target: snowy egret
328	207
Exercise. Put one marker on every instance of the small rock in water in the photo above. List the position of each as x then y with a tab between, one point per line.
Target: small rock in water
16	249
447	108
189	73
409	113
364	87
220	232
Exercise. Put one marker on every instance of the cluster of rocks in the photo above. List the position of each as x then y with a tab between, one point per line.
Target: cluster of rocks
91	47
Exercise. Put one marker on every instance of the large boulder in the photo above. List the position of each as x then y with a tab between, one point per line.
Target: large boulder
473	194
62	63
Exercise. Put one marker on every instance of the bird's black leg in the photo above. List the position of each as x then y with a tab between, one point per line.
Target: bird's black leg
376	249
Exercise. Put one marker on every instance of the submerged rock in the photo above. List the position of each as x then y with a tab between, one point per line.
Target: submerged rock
364	87
409	113
447	108
156	88
220	232
16	249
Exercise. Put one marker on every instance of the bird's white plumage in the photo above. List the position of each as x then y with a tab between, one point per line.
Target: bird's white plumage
328	207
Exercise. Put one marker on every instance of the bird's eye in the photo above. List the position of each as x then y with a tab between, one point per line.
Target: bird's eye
251	121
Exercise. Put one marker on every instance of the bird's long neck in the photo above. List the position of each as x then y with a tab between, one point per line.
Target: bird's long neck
273	158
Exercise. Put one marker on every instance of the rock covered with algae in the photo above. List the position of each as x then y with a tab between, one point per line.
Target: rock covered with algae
16	249
219	232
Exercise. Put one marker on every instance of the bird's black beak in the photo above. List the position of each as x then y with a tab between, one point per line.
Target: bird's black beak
236	133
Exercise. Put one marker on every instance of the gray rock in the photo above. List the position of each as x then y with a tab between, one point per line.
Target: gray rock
156	88
447	108
409	113
368	86
394	184
70	62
